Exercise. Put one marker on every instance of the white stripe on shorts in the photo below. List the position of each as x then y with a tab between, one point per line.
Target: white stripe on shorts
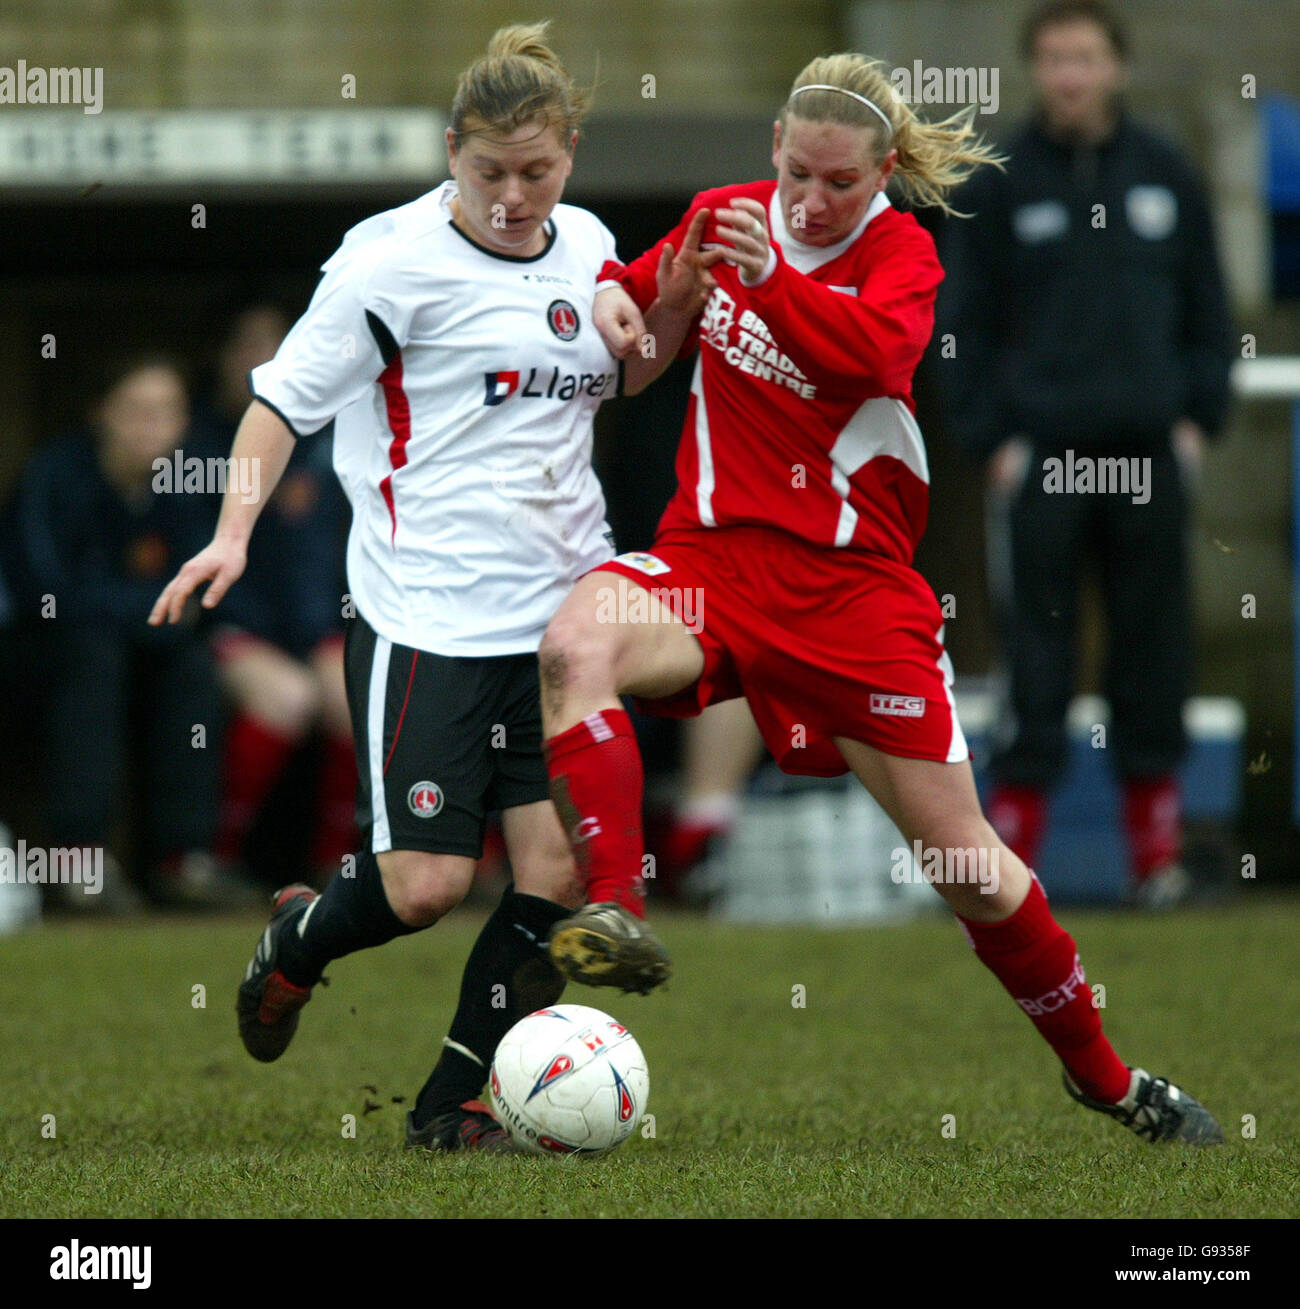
381	838
958	750
598	727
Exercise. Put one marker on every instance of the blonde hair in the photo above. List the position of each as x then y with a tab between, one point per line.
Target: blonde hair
519	79
933	158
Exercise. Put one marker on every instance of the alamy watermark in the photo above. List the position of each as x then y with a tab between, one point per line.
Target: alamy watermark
947	865
632	604
25	85
922	85
1084	475
182	474
75	1262
76	865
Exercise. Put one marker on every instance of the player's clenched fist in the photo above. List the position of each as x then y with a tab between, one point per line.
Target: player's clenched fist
220	564
745	226
618	321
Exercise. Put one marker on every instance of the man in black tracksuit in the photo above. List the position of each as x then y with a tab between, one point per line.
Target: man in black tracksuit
1091	352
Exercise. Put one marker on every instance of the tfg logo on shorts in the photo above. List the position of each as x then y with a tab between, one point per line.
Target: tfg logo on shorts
102	1263
898	706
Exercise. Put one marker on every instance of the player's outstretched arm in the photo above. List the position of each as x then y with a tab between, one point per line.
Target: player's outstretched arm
266	443
684	283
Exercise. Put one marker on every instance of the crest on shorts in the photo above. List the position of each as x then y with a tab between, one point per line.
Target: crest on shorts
424	799
562	318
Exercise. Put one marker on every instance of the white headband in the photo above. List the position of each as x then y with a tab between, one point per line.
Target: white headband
823	86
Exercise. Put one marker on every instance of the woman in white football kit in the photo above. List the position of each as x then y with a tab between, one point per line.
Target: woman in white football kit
451	340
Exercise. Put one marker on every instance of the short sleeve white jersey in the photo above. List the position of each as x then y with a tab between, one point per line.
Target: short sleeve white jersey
463	385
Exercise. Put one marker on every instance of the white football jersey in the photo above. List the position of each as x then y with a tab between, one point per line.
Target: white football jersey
463	385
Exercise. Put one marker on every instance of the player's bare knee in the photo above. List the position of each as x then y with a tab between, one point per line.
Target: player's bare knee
540	855
574	659
552	665
288	699
422	888
431	897
306	703
332	702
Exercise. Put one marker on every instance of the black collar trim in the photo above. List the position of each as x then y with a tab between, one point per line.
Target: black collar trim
510	259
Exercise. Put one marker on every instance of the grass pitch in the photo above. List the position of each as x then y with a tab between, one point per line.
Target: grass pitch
761	1108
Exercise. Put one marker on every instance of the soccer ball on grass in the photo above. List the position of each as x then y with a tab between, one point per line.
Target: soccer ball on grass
569	1080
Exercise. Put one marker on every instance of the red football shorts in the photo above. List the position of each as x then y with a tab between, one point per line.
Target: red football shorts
821	642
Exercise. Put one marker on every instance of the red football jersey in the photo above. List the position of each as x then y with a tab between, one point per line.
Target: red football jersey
801	412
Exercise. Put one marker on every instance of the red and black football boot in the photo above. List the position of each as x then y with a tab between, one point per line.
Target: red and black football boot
268	1002
469	1127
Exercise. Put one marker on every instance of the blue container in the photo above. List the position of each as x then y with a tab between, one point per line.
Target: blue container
1085	857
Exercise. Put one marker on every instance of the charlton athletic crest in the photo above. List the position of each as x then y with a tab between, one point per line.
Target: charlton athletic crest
563	319
424	799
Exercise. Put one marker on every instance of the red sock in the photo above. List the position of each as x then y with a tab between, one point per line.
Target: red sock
255	756
687	843
1153	816
336	810
596	781
1019	815
1035	959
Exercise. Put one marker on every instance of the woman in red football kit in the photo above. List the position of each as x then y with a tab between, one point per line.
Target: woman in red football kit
782	569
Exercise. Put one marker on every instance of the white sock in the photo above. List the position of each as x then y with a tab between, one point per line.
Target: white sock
718	809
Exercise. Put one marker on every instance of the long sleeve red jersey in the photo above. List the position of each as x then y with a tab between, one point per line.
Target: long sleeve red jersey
801	411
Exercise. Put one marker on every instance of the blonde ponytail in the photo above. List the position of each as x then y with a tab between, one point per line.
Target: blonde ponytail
519	79
933	158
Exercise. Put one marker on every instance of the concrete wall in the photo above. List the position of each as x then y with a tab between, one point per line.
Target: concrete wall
718	53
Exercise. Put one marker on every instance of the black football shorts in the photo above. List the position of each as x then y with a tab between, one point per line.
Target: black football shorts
441	742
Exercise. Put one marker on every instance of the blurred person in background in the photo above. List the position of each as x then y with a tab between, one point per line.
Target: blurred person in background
1087	307
279	644
93	541
719	752
20	904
